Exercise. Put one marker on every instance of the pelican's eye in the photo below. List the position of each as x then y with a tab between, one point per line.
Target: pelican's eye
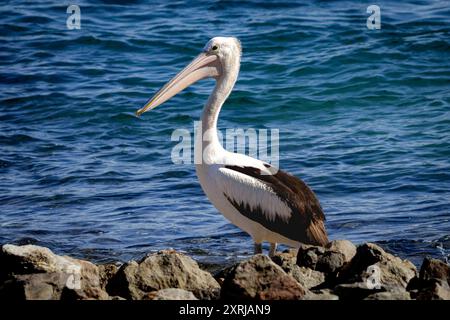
214	48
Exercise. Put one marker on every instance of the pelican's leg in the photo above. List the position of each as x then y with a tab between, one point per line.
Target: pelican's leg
273	249
258	248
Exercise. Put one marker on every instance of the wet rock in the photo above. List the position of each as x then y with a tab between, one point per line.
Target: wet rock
395	295
34	272
372	266
345	247
259	278
171	294
162	270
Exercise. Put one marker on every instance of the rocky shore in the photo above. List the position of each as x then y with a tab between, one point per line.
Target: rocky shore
339	271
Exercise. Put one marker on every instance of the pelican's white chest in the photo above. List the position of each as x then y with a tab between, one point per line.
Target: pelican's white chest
206	175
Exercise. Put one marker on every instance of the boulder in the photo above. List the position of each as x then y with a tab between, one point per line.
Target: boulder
286	259
34	272
259	278
308	256
162	270
373	267
345	247
329	260
307	277
37	286
436	290
171	294
434	269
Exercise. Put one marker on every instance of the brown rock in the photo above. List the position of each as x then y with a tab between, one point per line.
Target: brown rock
327	260
106	272
308	256
286	260
31	270
436	290
171	294
323	294
394	295
371	262
259	278
162	270
347	248
37	286
308	278
330	262
434	269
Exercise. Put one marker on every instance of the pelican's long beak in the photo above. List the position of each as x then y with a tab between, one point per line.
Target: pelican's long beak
204	66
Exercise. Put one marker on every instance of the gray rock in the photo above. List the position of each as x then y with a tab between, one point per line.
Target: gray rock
354	291
37	286
171	294
330	262
347	248
259	278
308	278
394	295
434	269
323	294
31	270
286	260
162	270
436	290
308	256
371	262
323	259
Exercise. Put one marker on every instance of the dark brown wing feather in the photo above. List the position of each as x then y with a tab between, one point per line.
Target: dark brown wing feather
306	224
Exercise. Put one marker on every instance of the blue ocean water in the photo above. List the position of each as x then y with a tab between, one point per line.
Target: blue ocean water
364	119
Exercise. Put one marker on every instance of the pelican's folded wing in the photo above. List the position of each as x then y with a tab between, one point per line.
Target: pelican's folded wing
280	202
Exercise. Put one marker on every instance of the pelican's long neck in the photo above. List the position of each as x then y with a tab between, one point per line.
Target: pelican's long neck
210	115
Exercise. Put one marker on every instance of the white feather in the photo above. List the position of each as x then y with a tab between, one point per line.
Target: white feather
252	192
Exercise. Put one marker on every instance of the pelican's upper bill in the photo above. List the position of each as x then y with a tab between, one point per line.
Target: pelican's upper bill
219	54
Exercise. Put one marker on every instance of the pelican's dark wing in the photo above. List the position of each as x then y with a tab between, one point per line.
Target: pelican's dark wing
280	202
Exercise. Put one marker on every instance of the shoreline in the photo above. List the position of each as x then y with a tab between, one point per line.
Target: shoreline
339	271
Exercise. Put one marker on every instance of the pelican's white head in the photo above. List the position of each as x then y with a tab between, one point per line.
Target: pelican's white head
227	49
221	57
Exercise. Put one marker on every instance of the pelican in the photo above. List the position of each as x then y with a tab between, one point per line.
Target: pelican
269	204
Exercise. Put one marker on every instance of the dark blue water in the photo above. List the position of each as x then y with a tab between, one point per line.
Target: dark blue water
364	119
